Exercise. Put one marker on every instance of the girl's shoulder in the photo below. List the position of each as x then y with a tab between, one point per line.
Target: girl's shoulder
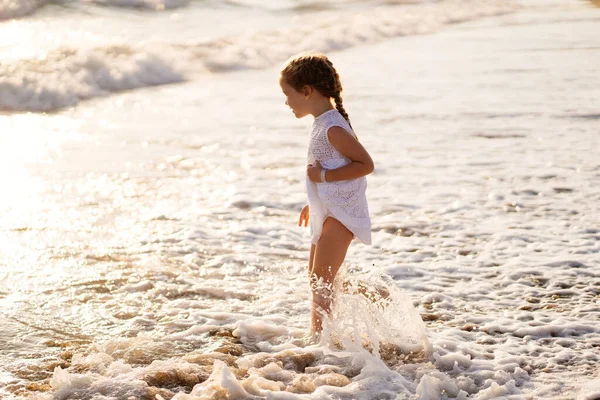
330	119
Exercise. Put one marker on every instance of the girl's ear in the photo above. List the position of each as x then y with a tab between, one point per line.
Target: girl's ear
307	90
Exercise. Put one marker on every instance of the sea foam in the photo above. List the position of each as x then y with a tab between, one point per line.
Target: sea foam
18	8
65	76
157	5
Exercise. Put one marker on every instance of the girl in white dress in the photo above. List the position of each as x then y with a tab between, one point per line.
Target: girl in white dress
337	164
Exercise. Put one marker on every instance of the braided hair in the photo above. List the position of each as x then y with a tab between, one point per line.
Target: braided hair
316	70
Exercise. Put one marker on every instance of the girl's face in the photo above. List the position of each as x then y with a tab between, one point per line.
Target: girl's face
294	99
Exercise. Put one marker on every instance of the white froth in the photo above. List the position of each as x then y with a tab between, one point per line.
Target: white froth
590	391
18	8
221	382
64	76
157	5
155	246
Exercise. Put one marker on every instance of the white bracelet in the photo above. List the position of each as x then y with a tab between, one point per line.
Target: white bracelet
323	175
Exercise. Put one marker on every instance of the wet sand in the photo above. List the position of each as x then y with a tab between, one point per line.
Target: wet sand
156	234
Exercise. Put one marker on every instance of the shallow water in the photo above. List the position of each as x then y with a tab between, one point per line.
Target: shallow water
149	233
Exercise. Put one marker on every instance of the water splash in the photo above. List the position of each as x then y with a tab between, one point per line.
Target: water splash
371	312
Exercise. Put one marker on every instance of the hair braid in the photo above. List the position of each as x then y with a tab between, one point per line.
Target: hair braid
339	105
337	95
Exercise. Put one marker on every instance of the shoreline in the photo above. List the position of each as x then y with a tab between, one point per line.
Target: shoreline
162	215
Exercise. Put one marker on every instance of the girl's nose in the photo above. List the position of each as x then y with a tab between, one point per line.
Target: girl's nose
286	103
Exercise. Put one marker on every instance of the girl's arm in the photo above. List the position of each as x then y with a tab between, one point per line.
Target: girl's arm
361	163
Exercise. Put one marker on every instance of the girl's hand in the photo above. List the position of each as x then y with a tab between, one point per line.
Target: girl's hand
313	171
304	215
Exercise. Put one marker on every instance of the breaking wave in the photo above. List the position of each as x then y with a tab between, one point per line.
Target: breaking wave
67	76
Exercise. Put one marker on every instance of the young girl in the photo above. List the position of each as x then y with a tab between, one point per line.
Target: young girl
336	170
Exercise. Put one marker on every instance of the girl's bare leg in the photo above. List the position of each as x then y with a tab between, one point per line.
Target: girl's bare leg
329	254
311	259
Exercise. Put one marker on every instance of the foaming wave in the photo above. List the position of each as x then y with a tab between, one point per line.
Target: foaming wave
18	8
296	5
253	358
66	76
328	34
157	5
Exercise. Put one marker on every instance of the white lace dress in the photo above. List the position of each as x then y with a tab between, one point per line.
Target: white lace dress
346	200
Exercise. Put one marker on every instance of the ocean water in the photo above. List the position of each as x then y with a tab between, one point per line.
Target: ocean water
152	179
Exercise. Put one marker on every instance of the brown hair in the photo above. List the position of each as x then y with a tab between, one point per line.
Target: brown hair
317	71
